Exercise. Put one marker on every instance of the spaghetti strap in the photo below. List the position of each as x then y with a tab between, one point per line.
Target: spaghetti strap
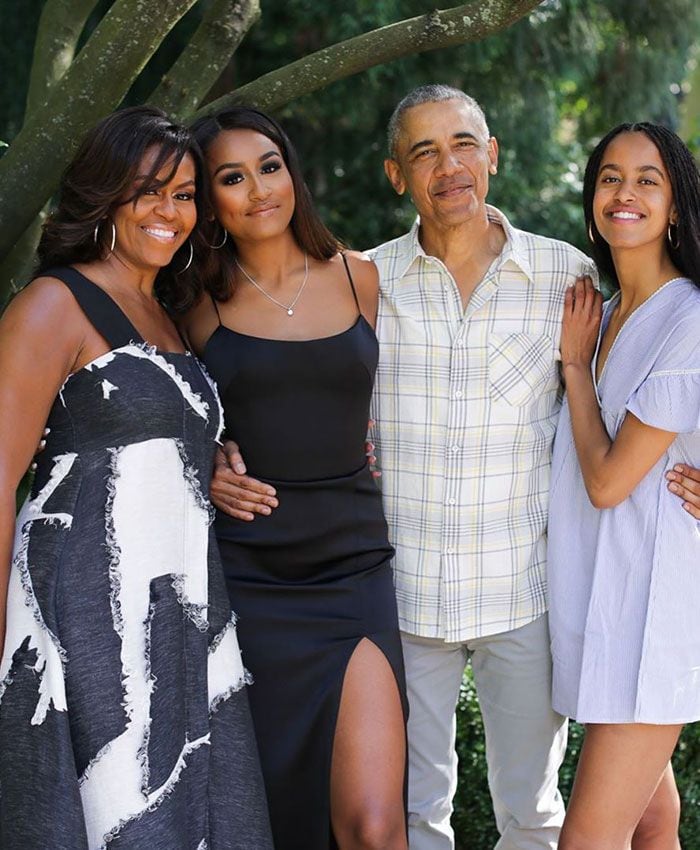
352	284
216	308
106	316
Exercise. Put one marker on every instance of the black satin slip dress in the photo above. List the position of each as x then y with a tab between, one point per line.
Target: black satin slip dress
314	578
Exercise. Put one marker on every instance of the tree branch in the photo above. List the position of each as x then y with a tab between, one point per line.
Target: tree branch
470	22
222	29
96	82
60	26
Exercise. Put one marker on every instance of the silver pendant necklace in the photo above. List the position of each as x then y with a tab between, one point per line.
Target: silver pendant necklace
288	308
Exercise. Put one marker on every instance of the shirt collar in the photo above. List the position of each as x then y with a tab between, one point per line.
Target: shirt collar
514	250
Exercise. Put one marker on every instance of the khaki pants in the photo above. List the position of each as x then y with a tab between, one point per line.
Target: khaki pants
525	738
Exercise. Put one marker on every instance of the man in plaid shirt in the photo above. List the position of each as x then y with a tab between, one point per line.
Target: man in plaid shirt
466	402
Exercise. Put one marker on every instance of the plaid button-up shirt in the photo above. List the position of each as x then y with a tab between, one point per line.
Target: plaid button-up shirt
466	404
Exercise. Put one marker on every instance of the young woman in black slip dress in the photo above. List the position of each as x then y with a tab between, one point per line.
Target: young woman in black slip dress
124	721
285	329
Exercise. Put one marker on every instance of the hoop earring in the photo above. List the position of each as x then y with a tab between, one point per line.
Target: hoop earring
222	243
590	231
189	262
96	232
677	244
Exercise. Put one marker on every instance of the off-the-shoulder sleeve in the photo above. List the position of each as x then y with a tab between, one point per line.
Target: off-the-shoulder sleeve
669	400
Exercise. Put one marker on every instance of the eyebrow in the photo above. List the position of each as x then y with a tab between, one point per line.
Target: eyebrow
642	170
264	157
424	143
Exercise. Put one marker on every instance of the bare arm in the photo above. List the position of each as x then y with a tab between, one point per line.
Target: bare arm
610	469
366	279
40	341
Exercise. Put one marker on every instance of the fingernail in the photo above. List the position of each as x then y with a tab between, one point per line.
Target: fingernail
42	444
686	505
674	488
678	467
47	431
671	476
239	468
33	467
266	510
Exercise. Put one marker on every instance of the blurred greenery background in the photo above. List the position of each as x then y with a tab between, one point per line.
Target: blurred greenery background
551	85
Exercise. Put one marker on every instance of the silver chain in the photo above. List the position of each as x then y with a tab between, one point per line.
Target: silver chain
289	308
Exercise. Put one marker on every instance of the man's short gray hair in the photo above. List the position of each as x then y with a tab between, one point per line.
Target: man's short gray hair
434	93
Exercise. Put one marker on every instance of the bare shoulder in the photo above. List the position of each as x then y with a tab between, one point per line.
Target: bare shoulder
199	323
45	304
366	280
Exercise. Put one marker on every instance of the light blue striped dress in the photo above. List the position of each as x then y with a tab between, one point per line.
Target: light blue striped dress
624	582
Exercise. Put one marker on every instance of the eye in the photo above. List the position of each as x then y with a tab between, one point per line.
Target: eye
609	178
467	143
425	153
271	167
647	181
184	196
232	178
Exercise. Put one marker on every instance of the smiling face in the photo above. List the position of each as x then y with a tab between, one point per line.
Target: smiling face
151	229
252	188
633	200
443	159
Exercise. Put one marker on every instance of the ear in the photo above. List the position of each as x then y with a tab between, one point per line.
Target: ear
393	171
492	150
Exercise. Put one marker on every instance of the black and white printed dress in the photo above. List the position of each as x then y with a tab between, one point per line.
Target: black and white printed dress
124	721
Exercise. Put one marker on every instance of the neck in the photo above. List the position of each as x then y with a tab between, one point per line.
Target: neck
129	278
270	261
641	271
464	244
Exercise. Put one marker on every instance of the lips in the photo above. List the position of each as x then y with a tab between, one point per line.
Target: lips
268	208
625	215
451	189
163	234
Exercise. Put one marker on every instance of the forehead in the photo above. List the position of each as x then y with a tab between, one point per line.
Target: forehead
184	171
240	146
633	150
439	120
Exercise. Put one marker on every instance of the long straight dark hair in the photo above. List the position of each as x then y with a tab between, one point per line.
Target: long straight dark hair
216	268
684	249
102	176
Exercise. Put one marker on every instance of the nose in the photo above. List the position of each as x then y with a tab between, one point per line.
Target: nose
448	163
625	191
166	206
259	190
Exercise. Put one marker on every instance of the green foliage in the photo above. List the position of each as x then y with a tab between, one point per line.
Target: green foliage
473	820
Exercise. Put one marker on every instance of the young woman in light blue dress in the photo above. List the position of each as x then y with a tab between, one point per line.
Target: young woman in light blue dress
624	562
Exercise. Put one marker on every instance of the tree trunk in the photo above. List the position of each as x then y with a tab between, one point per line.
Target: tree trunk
199	66
469	22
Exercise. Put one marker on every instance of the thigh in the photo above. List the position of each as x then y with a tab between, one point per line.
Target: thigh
369	755
658	827
618	772
525	737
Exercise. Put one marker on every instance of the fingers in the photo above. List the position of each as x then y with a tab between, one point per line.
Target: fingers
233	457
684	482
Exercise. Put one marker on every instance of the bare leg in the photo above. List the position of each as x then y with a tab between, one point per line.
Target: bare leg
620	768
658	827
369	757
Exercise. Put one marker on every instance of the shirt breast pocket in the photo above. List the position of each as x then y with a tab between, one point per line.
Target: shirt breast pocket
520	367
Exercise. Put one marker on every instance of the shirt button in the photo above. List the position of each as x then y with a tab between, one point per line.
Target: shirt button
450	550
459	342
459	394
455	449
452	501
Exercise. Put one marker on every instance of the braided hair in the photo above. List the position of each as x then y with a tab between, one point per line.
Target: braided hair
684	250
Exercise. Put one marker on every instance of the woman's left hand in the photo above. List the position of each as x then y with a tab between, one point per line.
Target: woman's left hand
582	311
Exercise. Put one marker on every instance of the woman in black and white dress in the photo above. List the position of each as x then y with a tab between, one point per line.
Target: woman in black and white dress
124	720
